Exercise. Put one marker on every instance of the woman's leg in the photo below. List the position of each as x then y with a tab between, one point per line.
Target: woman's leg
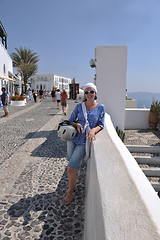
57	105
75	153
62	108
72	177
65	109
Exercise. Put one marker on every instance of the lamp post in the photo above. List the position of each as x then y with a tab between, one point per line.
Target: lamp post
62	83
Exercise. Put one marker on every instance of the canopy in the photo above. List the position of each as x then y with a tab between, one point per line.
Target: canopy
5	77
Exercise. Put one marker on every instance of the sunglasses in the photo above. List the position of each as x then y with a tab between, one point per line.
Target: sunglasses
91	92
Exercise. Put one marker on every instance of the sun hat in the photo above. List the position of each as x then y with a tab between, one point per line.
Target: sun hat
91	85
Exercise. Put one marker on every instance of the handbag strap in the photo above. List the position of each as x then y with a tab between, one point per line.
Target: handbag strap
86	126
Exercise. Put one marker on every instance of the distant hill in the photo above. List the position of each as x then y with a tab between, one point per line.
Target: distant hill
149	94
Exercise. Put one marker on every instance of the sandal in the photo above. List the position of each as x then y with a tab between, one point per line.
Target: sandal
68	198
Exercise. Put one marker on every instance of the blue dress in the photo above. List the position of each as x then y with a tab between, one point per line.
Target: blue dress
95	118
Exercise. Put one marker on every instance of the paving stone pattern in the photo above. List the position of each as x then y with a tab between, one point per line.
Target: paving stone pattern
32	208
142	137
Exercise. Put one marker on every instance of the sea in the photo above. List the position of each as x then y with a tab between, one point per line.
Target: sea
144	98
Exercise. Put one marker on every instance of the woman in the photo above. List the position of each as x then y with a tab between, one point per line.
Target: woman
30	94
64	97
34	95
58	97
76	147
53	93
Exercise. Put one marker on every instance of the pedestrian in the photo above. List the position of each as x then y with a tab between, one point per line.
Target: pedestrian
64	97
53	93
34	95
30	94
45	93
76	148
4	99
40	95
58	97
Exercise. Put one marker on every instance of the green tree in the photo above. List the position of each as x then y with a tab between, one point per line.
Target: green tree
26	62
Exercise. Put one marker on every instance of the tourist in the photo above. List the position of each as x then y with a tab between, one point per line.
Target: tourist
64	97
53	94
76	149
34	95
30	94
4	99
58	97
40	95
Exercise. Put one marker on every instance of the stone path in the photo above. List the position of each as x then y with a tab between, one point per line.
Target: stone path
142	137
33	177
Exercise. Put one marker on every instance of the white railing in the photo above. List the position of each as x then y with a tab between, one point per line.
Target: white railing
120	202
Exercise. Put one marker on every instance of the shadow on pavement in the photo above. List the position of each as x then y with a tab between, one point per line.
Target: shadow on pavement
44	214
59	221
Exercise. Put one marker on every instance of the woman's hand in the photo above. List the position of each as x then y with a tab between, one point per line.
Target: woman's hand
79	128
91	135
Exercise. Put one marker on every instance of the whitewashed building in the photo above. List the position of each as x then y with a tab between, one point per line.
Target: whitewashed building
7	78
6	71
46	81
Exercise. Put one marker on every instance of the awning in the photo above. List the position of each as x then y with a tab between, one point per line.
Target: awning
5	77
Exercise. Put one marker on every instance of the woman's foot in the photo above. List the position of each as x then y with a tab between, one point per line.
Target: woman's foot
68	198
66	192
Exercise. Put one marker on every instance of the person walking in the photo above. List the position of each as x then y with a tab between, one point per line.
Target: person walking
34	95
64	97
76	148
40	93
58	97
4	99
30	94
53	93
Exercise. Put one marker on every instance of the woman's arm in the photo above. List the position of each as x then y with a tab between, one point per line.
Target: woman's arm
5	100
100	125
91	135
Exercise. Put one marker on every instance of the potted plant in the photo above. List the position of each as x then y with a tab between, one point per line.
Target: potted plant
18	100
154	113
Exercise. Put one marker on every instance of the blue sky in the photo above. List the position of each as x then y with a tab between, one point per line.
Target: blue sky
65	34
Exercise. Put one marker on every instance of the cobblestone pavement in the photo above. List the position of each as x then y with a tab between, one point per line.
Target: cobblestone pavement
33	177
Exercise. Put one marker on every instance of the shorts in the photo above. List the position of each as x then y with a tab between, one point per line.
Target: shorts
40	96
5	108
58	100
64	104
75	154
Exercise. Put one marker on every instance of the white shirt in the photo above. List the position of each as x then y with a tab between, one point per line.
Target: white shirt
58	96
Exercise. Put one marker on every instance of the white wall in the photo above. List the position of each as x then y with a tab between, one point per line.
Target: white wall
45	79
5	59
120	201
131	103
111	68
136	118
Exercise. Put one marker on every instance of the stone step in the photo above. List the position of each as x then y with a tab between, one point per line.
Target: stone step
151	172
156	186
147	160
143	149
